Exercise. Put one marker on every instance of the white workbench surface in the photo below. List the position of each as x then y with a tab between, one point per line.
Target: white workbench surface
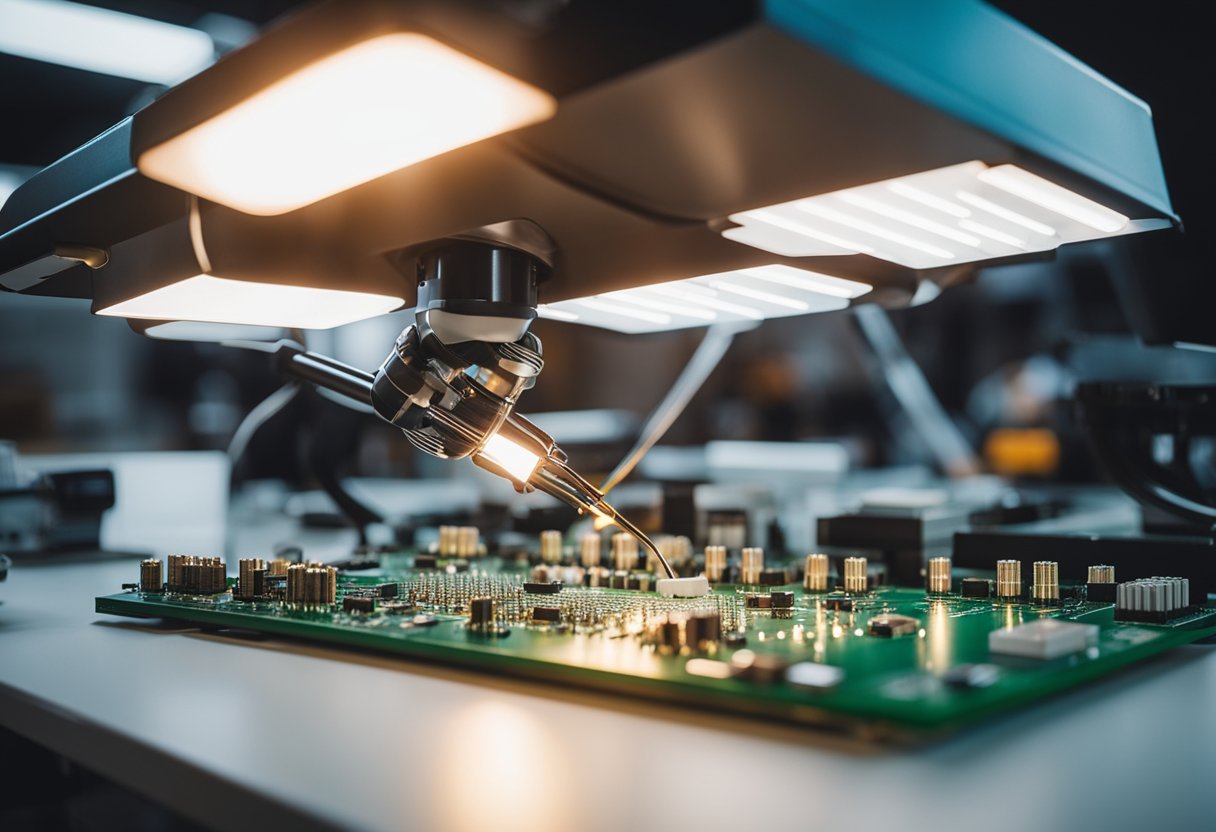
242	732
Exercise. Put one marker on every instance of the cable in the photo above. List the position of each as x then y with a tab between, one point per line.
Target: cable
709	353
257	417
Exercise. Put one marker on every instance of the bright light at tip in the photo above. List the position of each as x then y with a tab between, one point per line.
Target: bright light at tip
224	301
958	214
771	291
344	120
516	461
100	40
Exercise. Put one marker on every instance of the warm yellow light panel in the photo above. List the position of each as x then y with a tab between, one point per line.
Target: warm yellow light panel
344	120
224	301
519	462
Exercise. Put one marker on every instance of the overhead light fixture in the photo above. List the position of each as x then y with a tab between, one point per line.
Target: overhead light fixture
171	274
202	332
943	217
343	120
743	295
101	40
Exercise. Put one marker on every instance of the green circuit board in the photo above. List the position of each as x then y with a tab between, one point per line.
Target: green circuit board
828	659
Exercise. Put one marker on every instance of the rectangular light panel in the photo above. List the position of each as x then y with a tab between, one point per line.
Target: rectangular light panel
772	291
101	40
957	214
343	120
224	301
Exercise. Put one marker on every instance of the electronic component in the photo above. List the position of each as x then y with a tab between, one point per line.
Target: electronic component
1154	600
972	676
1008	580
1100	583
1045	590
774	577
975	588
151	576
703	630
311	584
855	575
892	624
191	575
251	579
547	615
715	563
939	580
815	578
1043	638
813	676
358	603
589	547
781	600
751	565
624	552
543	588
551	546
682	587
764	668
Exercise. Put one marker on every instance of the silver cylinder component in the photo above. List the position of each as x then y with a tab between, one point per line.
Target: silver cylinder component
1100	574
151	576
624	551
751	565
589	547
1046	586
939	576
855	577
1009	579
715	563
551	546
816	577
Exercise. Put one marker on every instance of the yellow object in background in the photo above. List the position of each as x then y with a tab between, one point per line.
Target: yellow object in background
1021	452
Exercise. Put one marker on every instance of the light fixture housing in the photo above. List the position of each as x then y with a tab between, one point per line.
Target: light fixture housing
660	163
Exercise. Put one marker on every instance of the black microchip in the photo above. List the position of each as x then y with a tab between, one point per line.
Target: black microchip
425	562
838	604
387	590
773	577
353	603
1101	593
537	588
975	588
782	600
547	614
633	582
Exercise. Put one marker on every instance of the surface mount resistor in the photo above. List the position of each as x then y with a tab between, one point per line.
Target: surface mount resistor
855	577
1046	586
624	552
151	578
939	576
1009	579
589	548
816	577
751	565
551	546
715	563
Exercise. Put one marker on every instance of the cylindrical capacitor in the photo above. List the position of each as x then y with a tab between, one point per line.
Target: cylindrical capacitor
1046	586
589	547
1008	579
246	568
447	541
1100	574
468	542
855	578
681	551
624	551
277	568
482	613
751	565
939	578
175	572
551	546
715	563
295	583
150	576
816	577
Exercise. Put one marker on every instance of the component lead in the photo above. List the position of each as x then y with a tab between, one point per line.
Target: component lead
816	577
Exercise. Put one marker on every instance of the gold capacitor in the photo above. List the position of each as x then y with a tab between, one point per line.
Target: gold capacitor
855	578
681	550
175	572
1008	579
277	568
589	547
150	576
715	563
447	541
1046	586
751	565
816	577
468	542
1100	574
939	578
295	583
551	546
247	570
624	551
